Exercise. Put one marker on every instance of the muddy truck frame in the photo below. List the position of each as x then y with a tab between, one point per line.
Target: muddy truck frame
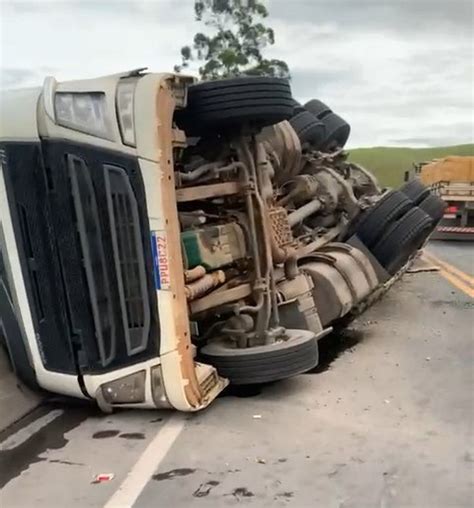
160	237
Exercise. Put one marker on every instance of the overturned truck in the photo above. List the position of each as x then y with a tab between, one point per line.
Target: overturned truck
161	238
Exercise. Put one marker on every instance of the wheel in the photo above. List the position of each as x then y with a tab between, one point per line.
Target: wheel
309	129
230	104
297	107
415	190
262	364
402	239
318	108
434	206
375	220
337	131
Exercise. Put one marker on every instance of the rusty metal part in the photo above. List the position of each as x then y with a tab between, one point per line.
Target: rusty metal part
325	238
195	174
220	298
370	181
215	190
332	181
303	212
304	188
278	252
296	304
291	265
283	148
257	158
194	274
280	227
175	299
192	219
201	286
242	322
239	329
209	170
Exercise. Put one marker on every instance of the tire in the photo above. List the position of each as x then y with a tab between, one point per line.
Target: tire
318	108
263	364
434	206
297	107
309	129
337	131
230	104
403	239
375	220
415	190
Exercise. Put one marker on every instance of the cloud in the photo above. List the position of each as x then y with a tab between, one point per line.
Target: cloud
397	70
12	78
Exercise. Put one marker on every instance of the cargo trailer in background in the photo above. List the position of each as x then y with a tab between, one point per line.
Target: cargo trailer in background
452	179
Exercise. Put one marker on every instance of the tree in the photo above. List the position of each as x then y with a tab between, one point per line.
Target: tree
235	42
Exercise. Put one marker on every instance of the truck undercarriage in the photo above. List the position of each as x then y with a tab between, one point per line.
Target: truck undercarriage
265	214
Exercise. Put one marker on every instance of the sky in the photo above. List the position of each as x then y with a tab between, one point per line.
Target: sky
399	71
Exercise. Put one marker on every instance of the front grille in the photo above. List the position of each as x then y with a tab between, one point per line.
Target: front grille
80	221
129	263
90	235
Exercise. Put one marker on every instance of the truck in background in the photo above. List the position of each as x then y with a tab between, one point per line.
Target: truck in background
452	179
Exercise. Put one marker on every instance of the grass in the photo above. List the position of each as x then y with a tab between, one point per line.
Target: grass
389	164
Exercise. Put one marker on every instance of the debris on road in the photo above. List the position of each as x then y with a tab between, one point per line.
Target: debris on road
423	269
103	477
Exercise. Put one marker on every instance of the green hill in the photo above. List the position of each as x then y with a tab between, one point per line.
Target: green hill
389	164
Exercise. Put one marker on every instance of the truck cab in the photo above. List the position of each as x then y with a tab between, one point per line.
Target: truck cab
89	309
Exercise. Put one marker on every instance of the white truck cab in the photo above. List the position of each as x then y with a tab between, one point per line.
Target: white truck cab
86	184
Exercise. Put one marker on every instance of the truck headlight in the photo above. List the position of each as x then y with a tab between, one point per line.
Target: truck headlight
84	112
125	390
125	110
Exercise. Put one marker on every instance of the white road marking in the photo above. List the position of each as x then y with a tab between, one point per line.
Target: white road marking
32	428
147	464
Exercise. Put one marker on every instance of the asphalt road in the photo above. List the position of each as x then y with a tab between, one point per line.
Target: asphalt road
387	420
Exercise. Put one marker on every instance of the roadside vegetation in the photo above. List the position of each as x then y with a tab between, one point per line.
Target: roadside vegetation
389	163
233	40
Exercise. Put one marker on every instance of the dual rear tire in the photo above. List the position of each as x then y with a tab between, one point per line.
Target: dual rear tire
400	223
